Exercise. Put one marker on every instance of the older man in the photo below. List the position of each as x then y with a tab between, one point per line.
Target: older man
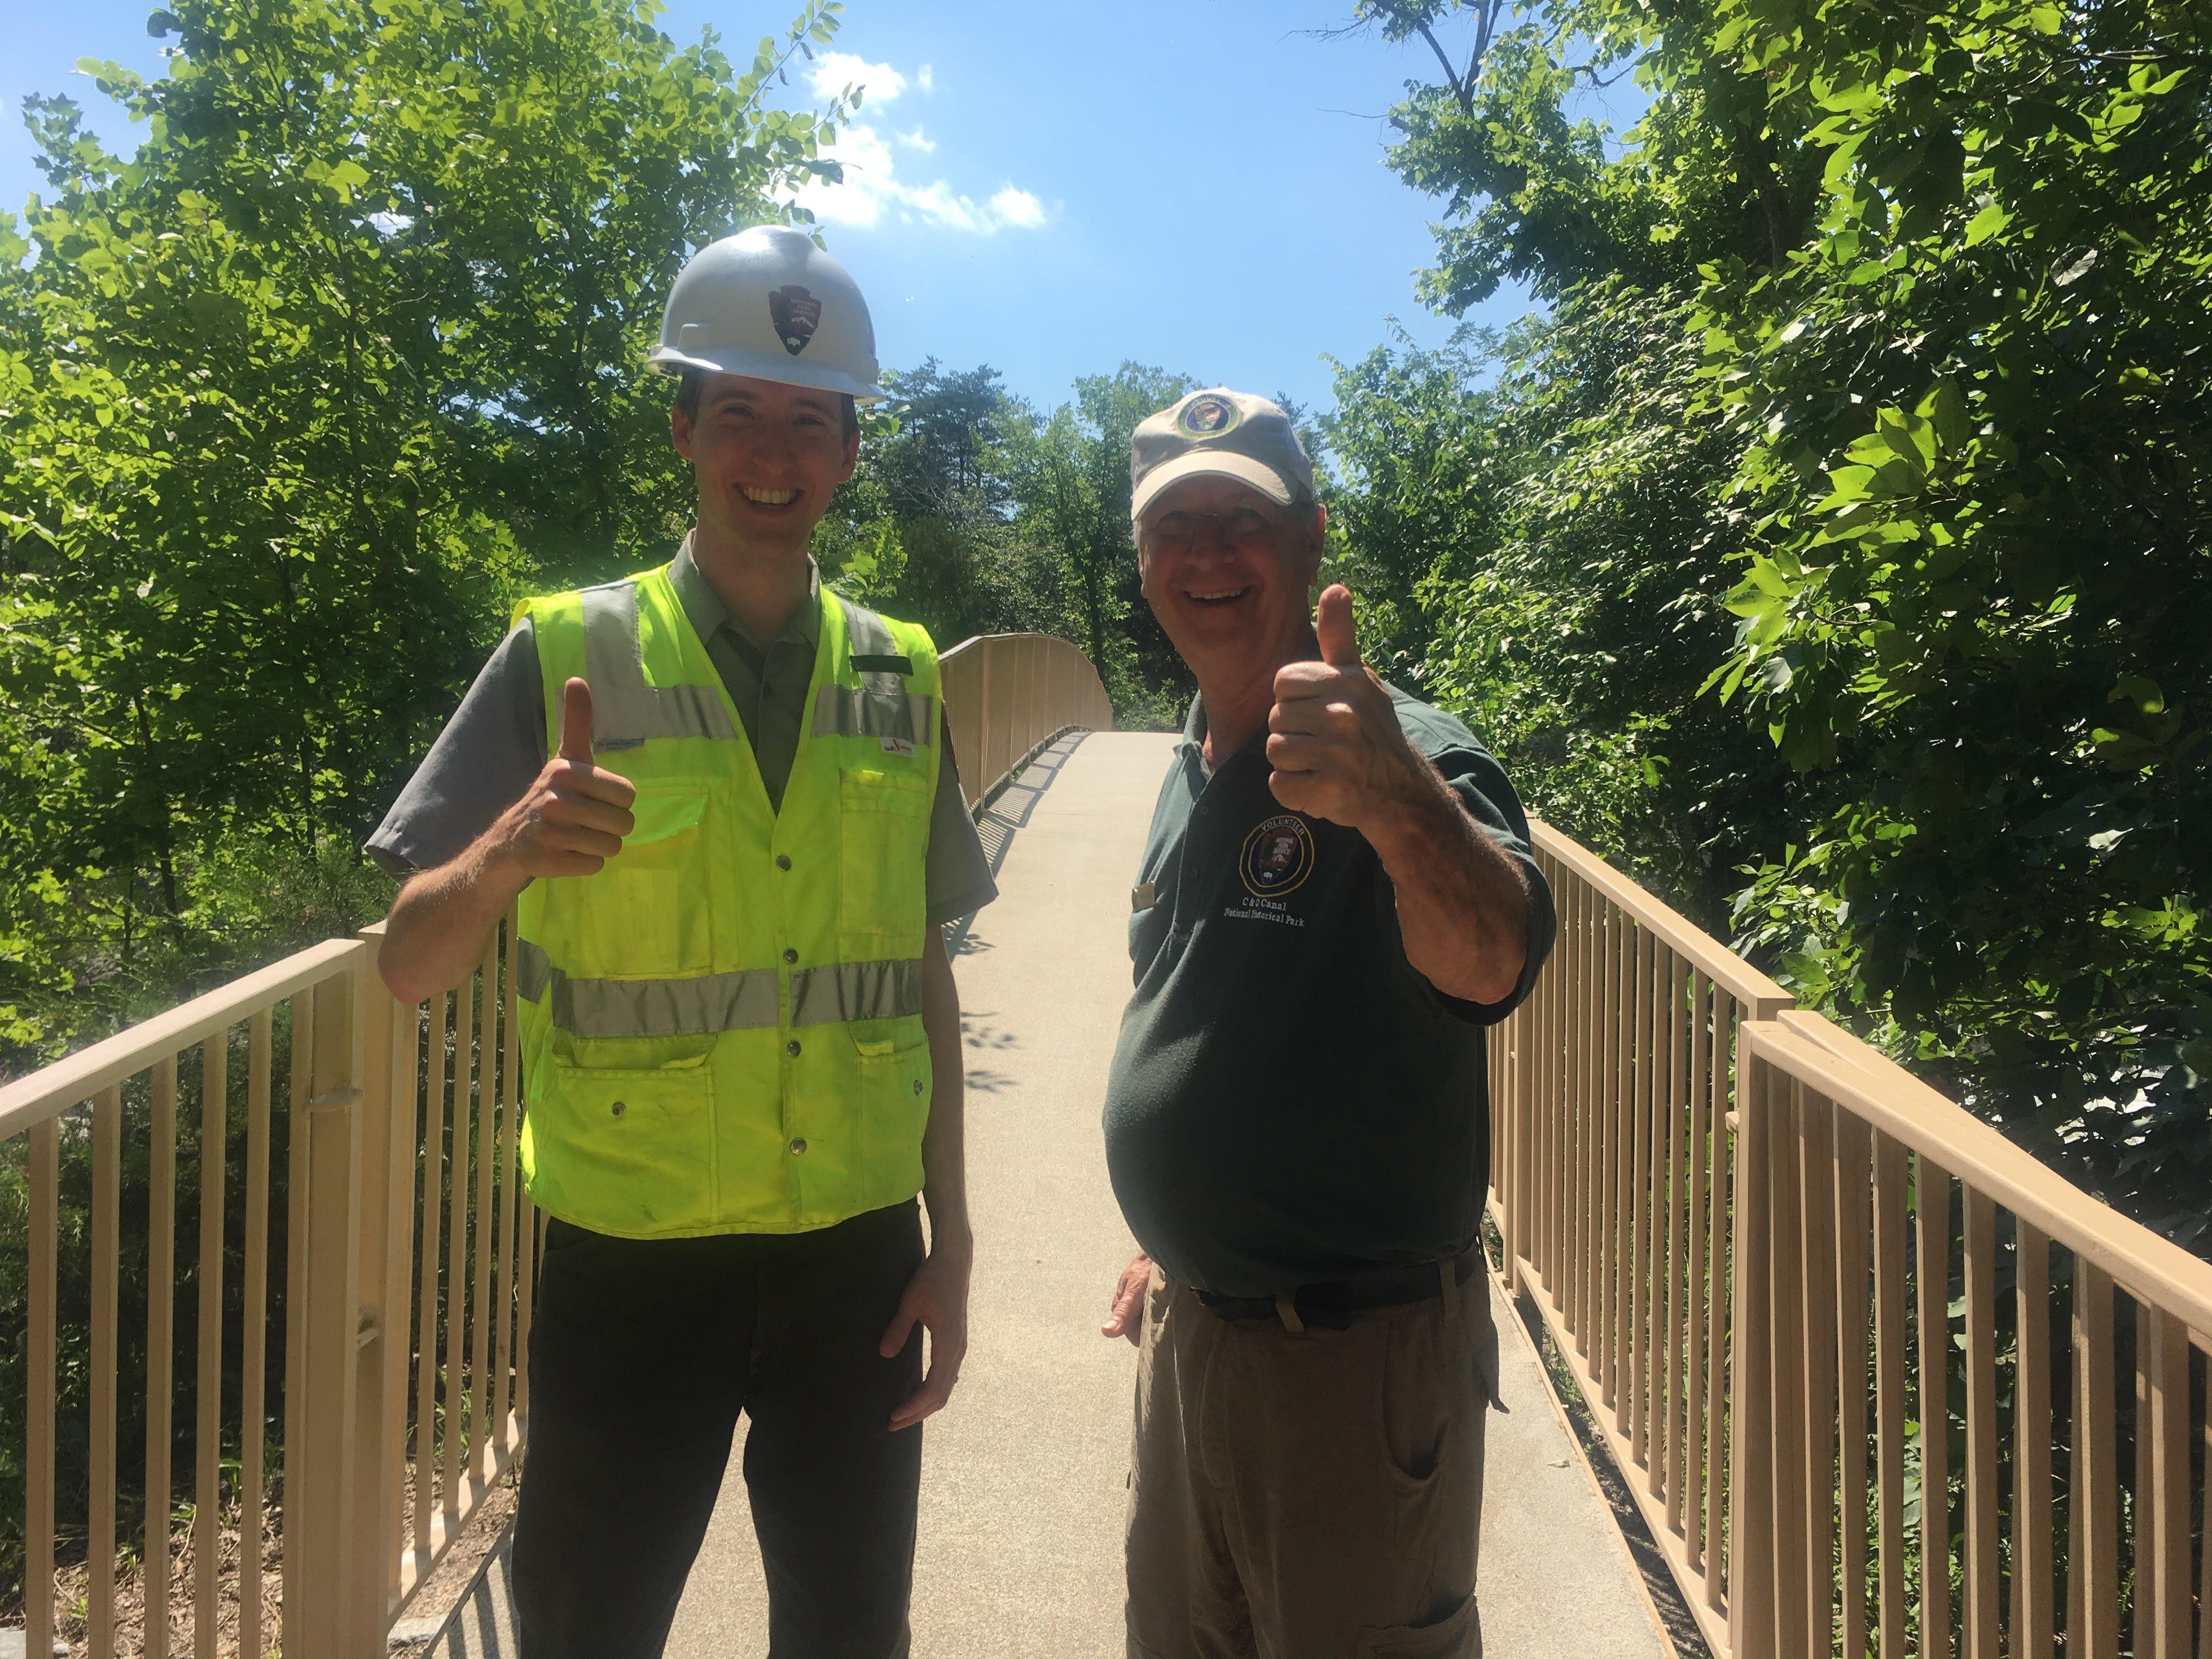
1336	898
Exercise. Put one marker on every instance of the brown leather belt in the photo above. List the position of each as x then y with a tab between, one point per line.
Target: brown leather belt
1332	1302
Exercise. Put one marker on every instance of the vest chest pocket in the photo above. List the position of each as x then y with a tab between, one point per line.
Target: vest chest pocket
883	821
648	913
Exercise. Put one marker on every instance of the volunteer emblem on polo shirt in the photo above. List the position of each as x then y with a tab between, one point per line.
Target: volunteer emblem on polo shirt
796	315
1277	857
1208	417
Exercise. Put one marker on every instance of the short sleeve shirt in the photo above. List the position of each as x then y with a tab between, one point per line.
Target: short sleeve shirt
494	746
1290	1101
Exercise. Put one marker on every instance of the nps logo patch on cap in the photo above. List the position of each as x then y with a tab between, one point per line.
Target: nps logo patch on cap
796	315
1208	417
1277	857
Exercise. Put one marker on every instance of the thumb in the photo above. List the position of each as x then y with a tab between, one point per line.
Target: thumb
576	722
1340	644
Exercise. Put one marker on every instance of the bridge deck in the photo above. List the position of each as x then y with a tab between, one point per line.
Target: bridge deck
1023	1487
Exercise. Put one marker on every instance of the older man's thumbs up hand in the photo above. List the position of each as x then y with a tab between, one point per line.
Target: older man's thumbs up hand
574	816
1333	737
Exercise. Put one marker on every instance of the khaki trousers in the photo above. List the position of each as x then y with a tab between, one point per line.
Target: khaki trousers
1313	1494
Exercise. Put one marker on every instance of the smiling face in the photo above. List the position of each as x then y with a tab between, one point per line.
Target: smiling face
766	457
1234	605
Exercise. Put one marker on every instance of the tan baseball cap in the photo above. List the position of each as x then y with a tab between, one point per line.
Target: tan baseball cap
1221	433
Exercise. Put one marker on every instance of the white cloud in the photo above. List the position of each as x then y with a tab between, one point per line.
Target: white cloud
873	187
926	78
1018	207
835	70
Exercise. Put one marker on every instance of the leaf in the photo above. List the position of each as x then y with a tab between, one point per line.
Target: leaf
1987	223
2075	270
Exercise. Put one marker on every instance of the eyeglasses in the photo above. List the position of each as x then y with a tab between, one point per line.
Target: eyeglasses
1242	526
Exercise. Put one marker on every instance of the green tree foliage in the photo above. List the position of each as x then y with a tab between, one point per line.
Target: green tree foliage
292	404
980	515
1890	321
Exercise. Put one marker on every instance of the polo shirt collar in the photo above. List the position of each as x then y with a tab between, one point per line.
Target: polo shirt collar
708	615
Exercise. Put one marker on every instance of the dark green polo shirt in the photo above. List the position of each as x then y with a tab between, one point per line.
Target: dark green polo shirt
1290	1100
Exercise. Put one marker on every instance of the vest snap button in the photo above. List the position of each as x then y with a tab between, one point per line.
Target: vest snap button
783	860
791	956
619	1109
917	1086
792	1048
797	1147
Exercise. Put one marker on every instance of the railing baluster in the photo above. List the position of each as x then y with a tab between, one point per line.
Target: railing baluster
1982	1565
2163	1538
454	1323
1791	1345
1643	1193
486	1163
1890	1341
1932	1218
2033	1625
2093	1625
161	1341
207	1443
1853	1202
44	1195
510	1133
1582	1164
428	1209
1700	1443
1666	1299
253	1362
1720	1570
297	1135
107	1263
1754	1553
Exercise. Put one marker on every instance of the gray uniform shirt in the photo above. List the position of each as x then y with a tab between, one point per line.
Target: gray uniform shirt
494	746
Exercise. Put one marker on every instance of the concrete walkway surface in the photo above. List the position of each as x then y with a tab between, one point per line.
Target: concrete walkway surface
1024	1474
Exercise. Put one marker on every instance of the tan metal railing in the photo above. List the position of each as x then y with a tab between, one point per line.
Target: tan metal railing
1739	1224
343	1091
1006	695
370	1149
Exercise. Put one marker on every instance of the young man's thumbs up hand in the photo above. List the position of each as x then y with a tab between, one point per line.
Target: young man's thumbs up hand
572	818
1333	737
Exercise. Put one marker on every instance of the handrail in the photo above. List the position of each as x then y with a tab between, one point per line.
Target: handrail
80	1076
1879	1090
1703	952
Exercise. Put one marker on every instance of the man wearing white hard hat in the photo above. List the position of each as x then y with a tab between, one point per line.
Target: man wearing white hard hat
1337	897
720	800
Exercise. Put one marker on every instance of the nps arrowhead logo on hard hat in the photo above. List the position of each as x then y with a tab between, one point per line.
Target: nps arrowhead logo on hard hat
795	313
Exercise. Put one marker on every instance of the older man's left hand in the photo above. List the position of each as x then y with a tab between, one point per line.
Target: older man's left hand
1332	737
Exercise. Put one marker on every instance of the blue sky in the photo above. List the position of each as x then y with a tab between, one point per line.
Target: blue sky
1047	189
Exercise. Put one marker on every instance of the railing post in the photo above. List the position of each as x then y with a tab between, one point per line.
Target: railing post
384	1212
320	1457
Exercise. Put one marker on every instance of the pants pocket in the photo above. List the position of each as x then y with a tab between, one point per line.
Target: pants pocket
1457	1635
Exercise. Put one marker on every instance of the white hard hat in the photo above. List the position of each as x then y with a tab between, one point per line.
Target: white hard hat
769	303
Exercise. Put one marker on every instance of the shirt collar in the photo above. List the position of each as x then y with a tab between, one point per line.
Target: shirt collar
708	615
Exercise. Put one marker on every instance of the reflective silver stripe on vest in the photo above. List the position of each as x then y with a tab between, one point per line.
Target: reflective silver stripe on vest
716	1002
882	707
625	710
649	1008
855	990
842	713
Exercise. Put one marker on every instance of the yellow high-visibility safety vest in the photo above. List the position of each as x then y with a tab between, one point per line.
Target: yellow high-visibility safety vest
721	1030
